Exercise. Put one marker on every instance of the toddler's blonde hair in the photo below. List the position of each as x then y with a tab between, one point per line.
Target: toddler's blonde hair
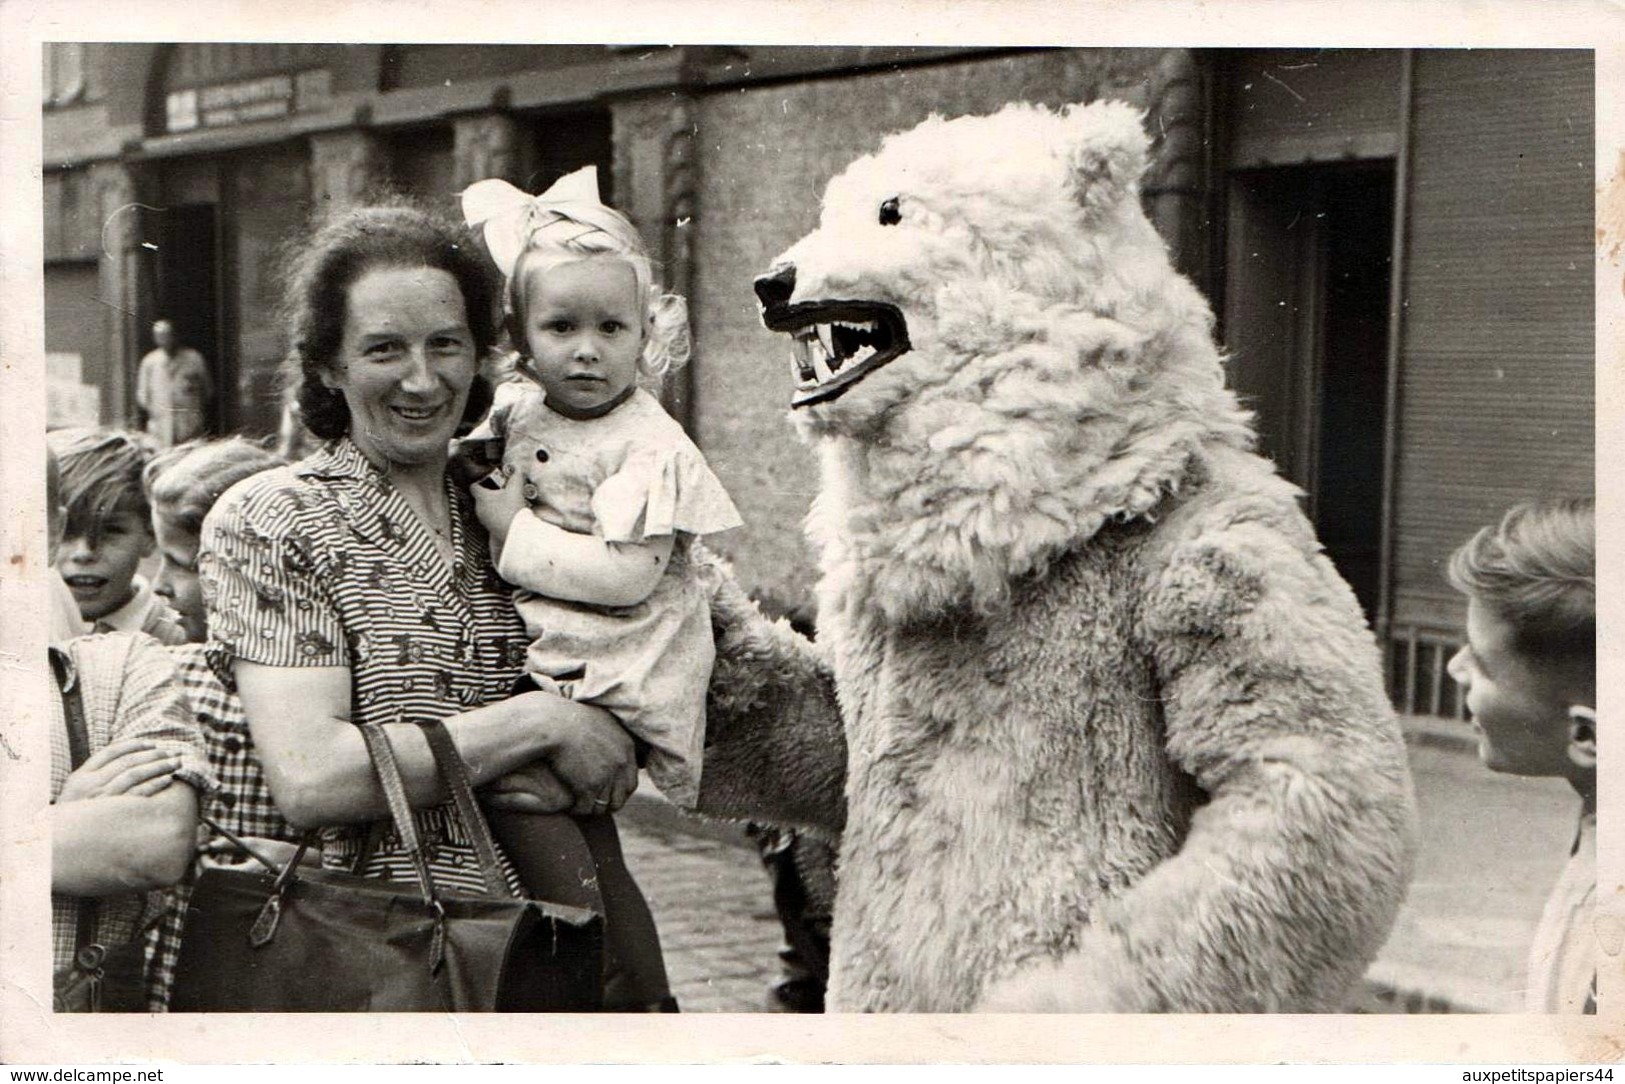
563	240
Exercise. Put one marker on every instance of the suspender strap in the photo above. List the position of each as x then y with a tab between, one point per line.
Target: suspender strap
73	707
73	710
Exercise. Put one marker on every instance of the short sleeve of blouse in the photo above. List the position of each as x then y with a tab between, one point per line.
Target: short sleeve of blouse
660	491
262	563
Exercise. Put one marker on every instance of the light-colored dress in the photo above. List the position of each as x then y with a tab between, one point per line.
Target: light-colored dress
629	476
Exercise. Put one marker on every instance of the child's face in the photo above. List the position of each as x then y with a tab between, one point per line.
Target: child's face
177	576
1520	711
99	571
584	328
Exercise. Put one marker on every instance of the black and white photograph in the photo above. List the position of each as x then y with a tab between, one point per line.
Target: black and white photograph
758	516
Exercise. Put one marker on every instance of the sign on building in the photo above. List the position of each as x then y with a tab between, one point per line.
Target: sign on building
247	100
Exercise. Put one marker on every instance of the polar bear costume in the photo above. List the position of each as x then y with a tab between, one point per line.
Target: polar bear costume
1100	727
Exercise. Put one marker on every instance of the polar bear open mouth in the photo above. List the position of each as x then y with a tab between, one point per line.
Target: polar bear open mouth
837	343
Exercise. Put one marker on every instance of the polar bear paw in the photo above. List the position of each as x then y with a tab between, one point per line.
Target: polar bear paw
1099	979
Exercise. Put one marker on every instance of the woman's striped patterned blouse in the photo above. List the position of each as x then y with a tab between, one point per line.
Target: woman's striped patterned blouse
324	564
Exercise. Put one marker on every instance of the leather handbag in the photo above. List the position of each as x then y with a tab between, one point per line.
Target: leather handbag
102	978
315	940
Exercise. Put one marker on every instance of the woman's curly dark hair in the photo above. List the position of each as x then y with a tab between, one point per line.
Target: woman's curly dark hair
321	269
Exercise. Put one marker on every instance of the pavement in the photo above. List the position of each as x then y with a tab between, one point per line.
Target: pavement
1491	848
712	903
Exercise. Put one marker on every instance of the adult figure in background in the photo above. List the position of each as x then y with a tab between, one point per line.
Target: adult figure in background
173	389
356	585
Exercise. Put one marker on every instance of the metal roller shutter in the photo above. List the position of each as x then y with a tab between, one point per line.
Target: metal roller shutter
1498	358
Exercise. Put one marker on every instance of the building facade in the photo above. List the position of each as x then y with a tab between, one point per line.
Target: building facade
1397	244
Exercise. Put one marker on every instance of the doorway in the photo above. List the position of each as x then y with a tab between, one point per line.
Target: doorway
1308	254
563	142
188	295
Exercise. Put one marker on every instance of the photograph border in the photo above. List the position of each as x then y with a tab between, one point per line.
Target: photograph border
30	1033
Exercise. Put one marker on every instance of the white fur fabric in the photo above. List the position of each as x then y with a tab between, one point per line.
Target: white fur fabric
1115	736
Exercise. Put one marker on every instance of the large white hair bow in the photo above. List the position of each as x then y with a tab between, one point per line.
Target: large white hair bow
508	217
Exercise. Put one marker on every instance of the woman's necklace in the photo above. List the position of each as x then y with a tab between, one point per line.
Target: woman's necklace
423	505
442	535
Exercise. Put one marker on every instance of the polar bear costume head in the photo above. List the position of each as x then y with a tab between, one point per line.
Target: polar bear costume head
993	352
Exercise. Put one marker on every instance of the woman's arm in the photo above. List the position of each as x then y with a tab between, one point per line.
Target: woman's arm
317	766
269	581
125	843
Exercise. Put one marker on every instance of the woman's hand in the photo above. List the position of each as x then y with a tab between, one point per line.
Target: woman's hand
132	766
497	507
590	753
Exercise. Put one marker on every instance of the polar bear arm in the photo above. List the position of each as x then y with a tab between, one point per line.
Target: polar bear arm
775	750
1291	875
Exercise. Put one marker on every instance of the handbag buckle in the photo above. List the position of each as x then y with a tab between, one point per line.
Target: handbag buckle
264	928
437	944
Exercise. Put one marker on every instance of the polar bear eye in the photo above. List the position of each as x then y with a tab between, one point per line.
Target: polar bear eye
890	214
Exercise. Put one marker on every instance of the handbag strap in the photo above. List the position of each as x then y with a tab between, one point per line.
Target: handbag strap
73	711
388	771
454	770
242	845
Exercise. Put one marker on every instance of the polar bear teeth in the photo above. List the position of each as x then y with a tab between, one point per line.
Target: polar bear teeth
822	350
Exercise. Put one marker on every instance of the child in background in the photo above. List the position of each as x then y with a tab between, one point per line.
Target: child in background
598	497
120	825
1529	674
108	533
61	607
182	485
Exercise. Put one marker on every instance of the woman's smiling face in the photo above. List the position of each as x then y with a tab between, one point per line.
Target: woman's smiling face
406	363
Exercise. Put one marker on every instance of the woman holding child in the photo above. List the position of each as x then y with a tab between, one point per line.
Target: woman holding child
357	585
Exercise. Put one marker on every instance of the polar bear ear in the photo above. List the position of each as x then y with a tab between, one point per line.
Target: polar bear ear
1106	151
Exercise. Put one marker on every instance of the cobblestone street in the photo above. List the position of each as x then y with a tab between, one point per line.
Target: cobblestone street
713	904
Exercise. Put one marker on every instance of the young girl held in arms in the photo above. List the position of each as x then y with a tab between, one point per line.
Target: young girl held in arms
590	517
